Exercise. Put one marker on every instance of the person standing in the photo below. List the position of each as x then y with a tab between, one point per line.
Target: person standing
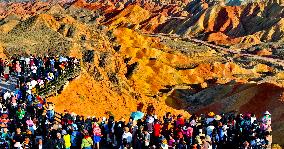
26	144
20	113
87	142
18	138
157	132
49	143
59	143
5	136
75	135
6	71
39	144
97	135
18	68
127	137
34	71
67	139
1	67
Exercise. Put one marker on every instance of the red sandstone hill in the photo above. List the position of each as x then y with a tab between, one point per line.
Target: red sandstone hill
251	23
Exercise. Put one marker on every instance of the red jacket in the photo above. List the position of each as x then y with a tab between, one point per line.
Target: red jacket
157	128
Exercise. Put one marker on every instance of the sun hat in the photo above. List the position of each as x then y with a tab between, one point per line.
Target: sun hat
150	119
208	138
17	145
96	124
202	135
155	116
63	132
217	117
211	114
267	113
199	130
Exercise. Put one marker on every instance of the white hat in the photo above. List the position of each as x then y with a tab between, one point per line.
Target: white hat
103	119
17	144
200	131
150	119
267	113
155	116
63	132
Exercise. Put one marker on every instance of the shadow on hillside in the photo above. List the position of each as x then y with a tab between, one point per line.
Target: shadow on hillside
231	97
237	97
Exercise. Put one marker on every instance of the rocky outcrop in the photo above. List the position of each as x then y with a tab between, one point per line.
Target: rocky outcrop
261	21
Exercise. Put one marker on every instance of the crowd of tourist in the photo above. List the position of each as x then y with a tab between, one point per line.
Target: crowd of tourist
21	107
28	122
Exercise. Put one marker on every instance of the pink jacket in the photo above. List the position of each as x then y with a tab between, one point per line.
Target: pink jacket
96	130
18	68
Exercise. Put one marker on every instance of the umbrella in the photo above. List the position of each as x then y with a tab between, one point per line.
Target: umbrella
247	115
30	122
5	115
62	59
4	120
39	105
137	115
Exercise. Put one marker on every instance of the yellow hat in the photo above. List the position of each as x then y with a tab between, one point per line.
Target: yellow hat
211	114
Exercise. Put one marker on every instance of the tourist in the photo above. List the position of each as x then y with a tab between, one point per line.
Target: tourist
97	135
6	71
67	139
59	142
87	142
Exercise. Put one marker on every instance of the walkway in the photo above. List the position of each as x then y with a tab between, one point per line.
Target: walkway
8	85
51	88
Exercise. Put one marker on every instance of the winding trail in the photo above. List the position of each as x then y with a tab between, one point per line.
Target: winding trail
221	49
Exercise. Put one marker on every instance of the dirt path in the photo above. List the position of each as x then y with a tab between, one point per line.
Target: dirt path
221	49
